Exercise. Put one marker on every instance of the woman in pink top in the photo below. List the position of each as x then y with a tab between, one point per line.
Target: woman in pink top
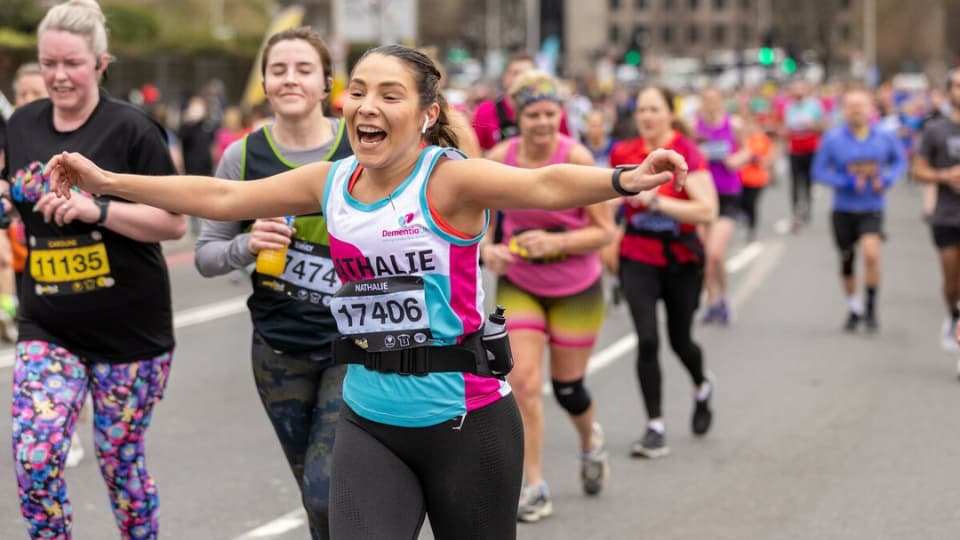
550	286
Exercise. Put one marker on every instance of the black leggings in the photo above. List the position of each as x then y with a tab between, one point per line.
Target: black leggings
800	199
749	199
679	287
464	473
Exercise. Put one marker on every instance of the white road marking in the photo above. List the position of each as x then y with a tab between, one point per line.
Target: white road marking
745	256
281	525
181	319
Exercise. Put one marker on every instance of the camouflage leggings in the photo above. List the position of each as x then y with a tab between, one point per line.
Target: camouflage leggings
301	395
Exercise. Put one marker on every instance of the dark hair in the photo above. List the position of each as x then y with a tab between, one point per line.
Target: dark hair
304	33
950	75
426	76
669	97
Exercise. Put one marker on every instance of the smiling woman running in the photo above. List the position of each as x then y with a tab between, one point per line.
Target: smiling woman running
428	426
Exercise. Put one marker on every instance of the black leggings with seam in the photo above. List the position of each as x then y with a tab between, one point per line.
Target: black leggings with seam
679	287
464	473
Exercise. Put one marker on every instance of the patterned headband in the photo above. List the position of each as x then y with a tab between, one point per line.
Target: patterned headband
541	90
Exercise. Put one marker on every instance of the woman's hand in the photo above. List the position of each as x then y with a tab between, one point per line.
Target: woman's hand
269	233
70	169
63	211
657	169
496	257
538	243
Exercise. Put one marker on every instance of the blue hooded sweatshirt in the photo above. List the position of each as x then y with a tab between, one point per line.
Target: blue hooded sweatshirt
839	148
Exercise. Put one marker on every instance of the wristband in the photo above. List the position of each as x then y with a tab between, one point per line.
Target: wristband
103	204
615	180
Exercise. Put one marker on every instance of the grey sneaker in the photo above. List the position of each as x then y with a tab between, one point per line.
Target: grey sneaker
652	445
594	467
535	503
8	327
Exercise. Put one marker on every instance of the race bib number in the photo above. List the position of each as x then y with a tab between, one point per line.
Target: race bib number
384	314
715	150
308	276
70	264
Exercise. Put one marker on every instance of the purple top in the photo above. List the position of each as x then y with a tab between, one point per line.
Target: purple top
716	144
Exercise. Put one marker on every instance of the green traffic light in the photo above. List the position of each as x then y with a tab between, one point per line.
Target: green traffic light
788	66
632	58
765	56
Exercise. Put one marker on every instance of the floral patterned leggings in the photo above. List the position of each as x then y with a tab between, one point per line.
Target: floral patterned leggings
50	385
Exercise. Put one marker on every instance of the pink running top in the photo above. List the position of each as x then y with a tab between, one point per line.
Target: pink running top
571	274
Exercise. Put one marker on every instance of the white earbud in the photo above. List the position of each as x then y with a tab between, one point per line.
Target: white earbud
426	120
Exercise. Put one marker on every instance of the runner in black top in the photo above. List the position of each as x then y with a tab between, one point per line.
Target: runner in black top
938	162
95	309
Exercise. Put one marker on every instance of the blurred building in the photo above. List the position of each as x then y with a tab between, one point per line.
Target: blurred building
830	32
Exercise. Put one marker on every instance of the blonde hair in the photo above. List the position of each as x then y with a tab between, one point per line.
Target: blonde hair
81	17
30	68
534	85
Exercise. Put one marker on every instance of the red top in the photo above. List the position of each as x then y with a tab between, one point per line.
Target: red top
648	249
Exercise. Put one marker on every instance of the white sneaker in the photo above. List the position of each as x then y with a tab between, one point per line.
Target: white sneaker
76	453
948	335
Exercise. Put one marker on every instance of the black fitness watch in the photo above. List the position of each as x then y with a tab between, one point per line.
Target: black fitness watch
104	205
615	180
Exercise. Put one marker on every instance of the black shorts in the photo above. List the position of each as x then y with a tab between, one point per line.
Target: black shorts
945	236
730	206
848	227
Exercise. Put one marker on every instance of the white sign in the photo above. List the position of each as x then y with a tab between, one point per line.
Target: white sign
378	21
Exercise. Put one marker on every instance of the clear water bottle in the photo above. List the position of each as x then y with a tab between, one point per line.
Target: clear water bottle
497	344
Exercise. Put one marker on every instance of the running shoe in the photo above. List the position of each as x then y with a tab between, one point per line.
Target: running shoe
76	453
852	321
652	445
710	315
594	467
723	313
535	503
8	327
702	415
870	322
948	335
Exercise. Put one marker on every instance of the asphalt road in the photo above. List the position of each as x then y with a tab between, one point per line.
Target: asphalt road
818	434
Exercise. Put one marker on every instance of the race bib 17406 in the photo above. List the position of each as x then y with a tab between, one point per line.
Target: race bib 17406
384	314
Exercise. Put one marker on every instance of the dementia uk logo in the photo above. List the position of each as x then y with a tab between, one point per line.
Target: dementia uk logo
407	228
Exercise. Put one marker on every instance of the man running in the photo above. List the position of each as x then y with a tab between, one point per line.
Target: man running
860	163
938	162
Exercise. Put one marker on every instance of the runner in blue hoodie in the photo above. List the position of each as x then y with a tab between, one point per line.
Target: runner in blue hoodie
860	163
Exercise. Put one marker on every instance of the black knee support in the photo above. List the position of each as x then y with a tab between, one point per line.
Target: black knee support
847	256
572	396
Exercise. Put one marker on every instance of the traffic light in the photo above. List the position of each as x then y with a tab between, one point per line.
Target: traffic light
788	66
457	55
766	56
638	40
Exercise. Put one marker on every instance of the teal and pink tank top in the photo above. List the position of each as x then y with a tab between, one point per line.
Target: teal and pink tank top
555	277
416	283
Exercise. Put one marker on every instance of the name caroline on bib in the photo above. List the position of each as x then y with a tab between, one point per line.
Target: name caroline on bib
408	263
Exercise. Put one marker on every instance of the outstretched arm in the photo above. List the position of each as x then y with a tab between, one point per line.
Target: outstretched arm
298	191
486	184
